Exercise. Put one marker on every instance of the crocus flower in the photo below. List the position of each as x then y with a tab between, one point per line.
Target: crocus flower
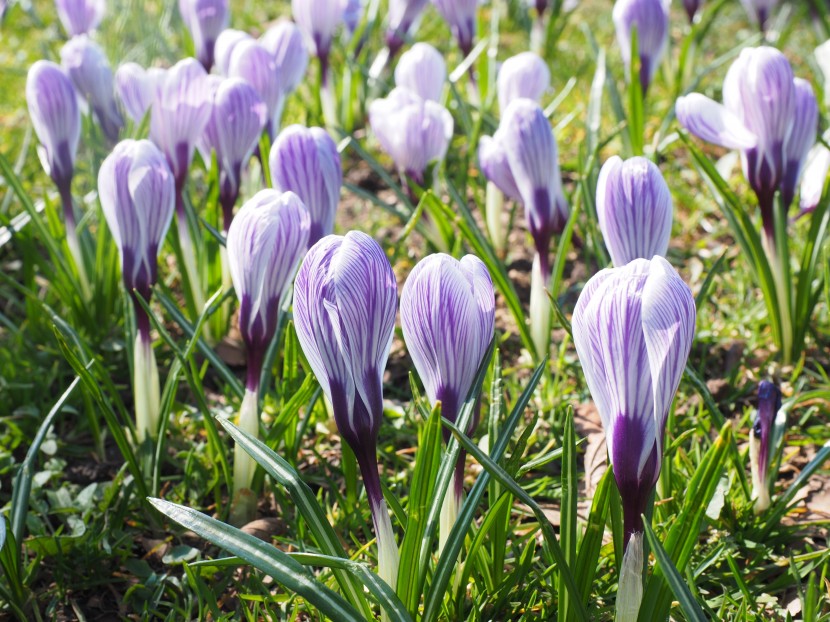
254	64
285	42
461	17
814	178
352	12
136	88
318	20
306	161
759	10
402	16
237	118
266	242
760	442
634	208
759	117
651	20
87	66
225	44
344	311
500	183
448	318
633	328
423	71
524	75
205	19
137	190
80	16
414	132
692	7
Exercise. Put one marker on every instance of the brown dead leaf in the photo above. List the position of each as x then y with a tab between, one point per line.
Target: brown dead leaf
264	528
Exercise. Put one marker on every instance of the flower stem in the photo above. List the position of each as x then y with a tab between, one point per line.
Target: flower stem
449	509
630	590
146	393
73	242
494	213
243	506
760	490
540	313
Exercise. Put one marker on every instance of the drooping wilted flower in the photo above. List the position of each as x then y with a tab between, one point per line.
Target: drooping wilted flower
650	18
402	16
254	64
414	132
318	20
760	442
223	49
87	66
448	318
136	88
306	161
237	118
344	312
634	208
205	19
137	190
633	328
423	71
266	241
759	117
285	42
80	16
461	17
524	75
760	11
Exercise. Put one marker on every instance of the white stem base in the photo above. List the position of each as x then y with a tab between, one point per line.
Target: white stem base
388	556
78	257
495	212
760	490
449	514
243	504
630	590
327	101
540	312
146	393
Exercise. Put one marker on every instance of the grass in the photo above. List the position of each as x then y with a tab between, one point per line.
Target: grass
92	548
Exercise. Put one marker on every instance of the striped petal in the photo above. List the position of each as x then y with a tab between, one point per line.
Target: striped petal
524	75
423	71
713	122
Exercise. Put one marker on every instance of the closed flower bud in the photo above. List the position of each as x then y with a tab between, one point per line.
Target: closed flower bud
180	111
524	75
80	16
254	64
318	20
634	207
423	71
692	7
205	19
137	193
801	139
633	328
650	18
53	107
759	10
226	42
237	118
531	150
461	17
414	132
494	164
285	42
87	66
136	88
402	16
306	162
266	242
761	441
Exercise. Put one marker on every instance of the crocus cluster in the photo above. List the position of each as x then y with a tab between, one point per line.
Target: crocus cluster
633	328
205	19
767	416
137	189
448	318
767	114
344	312
650	20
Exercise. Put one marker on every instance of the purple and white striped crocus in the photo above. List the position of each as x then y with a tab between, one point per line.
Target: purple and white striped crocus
532	154
87	66
345	301
423	71
492	159
80	17
318	20
238	116
634	208
650	18
402	16
56	118
205	19
136	88
285	42
413	131
306	161
761	441
769	115
633	328
136	189
524	75
461	17
223	49
760	11
448	319
252	62
266	242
